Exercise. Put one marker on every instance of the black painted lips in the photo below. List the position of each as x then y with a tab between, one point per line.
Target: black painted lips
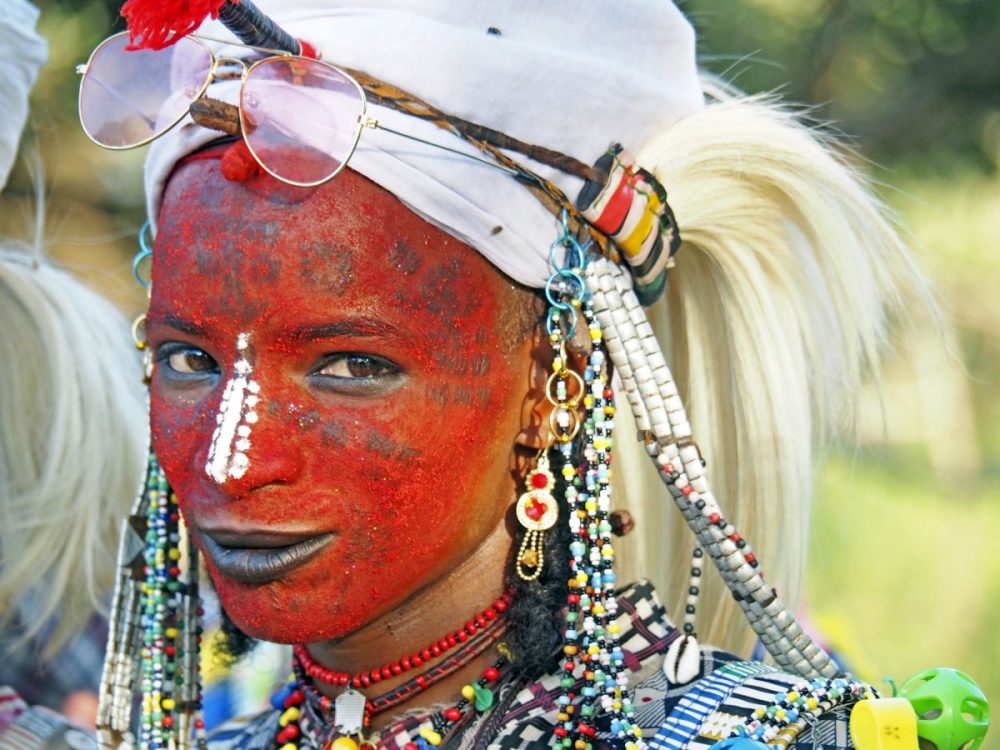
261	557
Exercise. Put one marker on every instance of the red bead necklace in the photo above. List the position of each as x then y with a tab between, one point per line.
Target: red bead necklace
449	664
317	671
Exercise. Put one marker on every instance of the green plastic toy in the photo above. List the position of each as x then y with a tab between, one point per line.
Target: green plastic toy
952	711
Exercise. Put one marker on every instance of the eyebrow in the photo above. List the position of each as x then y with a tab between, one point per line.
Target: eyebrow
183	325
357	328
310	332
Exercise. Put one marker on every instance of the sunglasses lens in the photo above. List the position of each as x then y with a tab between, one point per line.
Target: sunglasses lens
130	97
301	118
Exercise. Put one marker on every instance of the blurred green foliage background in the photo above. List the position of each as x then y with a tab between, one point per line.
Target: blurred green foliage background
905	566
905	563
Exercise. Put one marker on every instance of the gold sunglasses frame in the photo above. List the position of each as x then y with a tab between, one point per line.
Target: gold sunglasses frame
364	119
214	74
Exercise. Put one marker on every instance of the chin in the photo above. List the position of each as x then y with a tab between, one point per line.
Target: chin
288	612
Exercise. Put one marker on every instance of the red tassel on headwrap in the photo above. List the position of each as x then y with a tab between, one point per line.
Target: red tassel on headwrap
155	24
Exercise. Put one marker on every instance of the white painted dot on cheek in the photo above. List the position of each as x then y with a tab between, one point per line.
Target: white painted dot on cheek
227	454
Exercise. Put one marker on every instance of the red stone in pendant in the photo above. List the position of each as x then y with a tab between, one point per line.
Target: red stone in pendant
535	509
539	481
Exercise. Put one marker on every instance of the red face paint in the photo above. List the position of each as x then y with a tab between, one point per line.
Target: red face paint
386	405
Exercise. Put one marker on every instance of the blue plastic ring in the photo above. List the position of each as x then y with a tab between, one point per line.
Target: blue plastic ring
565	273
555	316
145	251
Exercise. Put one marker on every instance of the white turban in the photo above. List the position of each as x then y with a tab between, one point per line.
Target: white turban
22	53
568	75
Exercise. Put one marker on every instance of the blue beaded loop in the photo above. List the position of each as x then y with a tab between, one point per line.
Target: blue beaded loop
145	251
575	255
565	289
577	294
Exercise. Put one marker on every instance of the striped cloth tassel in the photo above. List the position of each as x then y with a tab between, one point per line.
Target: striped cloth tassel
631	208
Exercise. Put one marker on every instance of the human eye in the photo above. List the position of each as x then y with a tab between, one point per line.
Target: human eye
355	372
184	362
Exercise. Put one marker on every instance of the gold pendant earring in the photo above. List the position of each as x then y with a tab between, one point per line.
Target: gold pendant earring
537	511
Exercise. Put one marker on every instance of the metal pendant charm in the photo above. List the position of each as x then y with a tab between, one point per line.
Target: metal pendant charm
349	714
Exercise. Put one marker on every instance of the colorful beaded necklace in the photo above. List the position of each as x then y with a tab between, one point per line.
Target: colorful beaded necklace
791	711
351	713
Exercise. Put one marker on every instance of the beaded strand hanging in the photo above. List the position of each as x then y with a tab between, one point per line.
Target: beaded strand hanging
594	662
155	627
156	615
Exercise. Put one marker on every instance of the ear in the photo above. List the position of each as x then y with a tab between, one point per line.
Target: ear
536	432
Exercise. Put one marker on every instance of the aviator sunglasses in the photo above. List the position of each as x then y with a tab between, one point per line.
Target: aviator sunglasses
301	118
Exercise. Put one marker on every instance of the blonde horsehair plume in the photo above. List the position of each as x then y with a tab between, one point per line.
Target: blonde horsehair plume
72	433
788	275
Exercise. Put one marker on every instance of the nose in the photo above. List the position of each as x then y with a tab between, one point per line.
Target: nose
250	447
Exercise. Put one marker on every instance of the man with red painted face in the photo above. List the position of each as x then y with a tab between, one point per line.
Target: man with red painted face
392	450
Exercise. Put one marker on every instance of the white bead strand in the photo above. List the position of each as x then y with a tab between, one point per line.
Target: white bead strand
637	348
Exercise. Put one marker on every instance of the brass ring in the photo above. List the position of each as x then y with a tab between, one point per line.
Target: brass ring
140	344
562	374
564	437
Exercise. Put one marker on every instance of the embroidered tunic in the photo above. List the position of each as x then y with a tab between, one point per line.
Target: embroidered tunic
696	715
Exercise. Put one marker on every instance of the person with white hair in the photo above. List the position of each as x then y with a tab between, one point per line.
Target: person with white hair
409	330
71	444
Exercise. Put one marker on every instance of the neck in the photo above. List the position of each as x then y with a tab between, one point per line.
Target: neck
441	608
